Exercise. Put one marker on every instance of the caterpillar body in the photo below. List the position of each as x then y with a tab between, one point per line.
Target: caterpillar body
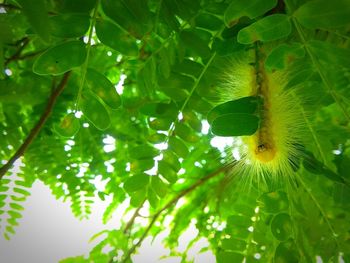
273	149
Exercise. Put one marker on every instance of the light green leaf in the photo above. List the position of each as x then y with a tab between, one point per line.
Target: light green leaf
68	126
94	110
178	147
283	54
324	14
269	28
136	182
235	124
103	88
251	9
60	59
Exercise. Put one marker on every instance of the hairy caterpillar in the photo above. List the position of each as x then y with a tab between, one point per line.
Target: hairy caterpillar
273	148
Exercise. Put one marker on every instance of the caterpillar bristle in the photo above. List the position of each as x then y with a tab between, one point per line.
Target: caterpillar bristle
272	150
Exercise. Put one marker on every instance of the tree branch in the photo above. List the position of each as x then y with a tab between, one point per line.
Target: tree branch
132	219
36	129
172	202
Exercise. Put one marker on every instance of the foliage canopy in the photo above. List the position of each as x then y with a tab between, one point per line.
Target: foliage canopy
124	90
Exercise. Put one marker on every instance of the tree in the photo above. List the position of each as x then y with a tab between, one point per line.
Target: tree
126	90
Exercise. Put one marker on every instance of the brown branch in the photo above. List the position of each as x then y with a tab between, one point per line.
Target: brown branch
132	219
172	202
9	6
36	129
17	54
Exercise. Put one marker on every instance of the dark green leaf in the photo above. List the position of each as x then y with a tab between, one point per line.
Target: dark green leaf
60	59
235	124
330	53
324	14
69	25
269	28
115	37
37	16
243	105
281	226
251	9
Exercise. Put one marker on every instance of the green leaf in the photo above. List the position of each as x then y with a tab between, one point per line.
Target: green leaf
152	198
159	186
287	252
160	124
243	105
37	16
115	37
60	59
94	110
283	55
68	126
186	133
229	257
324	14
251	9
138	197
281	226
16	206
233	244
274	202
144	151
103	88
196	41
167	172
235	124
136	182
133	15
75	6
69	25
159	110
178	147
330	53
269	28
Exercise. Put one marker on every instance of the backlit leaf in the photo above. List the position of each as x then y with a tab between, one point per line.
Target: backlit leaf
60	59
94	110
269	28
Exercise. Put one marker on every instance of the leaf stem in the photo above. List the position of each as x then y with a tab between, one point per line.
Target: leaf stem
334	235
319	70
37	128
86	63
195	85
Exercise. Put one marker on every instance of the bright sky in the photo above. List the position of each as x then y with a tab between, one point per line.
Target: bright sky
49	232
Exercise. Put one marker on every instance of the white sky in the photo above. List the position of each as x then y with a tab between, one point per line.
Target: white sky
49	232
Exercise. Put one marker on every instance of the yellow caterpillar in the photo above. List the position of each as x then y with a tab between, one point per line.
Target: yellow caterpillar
273	148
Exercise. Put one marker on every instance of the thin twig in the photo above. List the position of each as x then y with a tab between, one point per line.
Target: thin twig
9	6
17	54
172	202
132	219
35	131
